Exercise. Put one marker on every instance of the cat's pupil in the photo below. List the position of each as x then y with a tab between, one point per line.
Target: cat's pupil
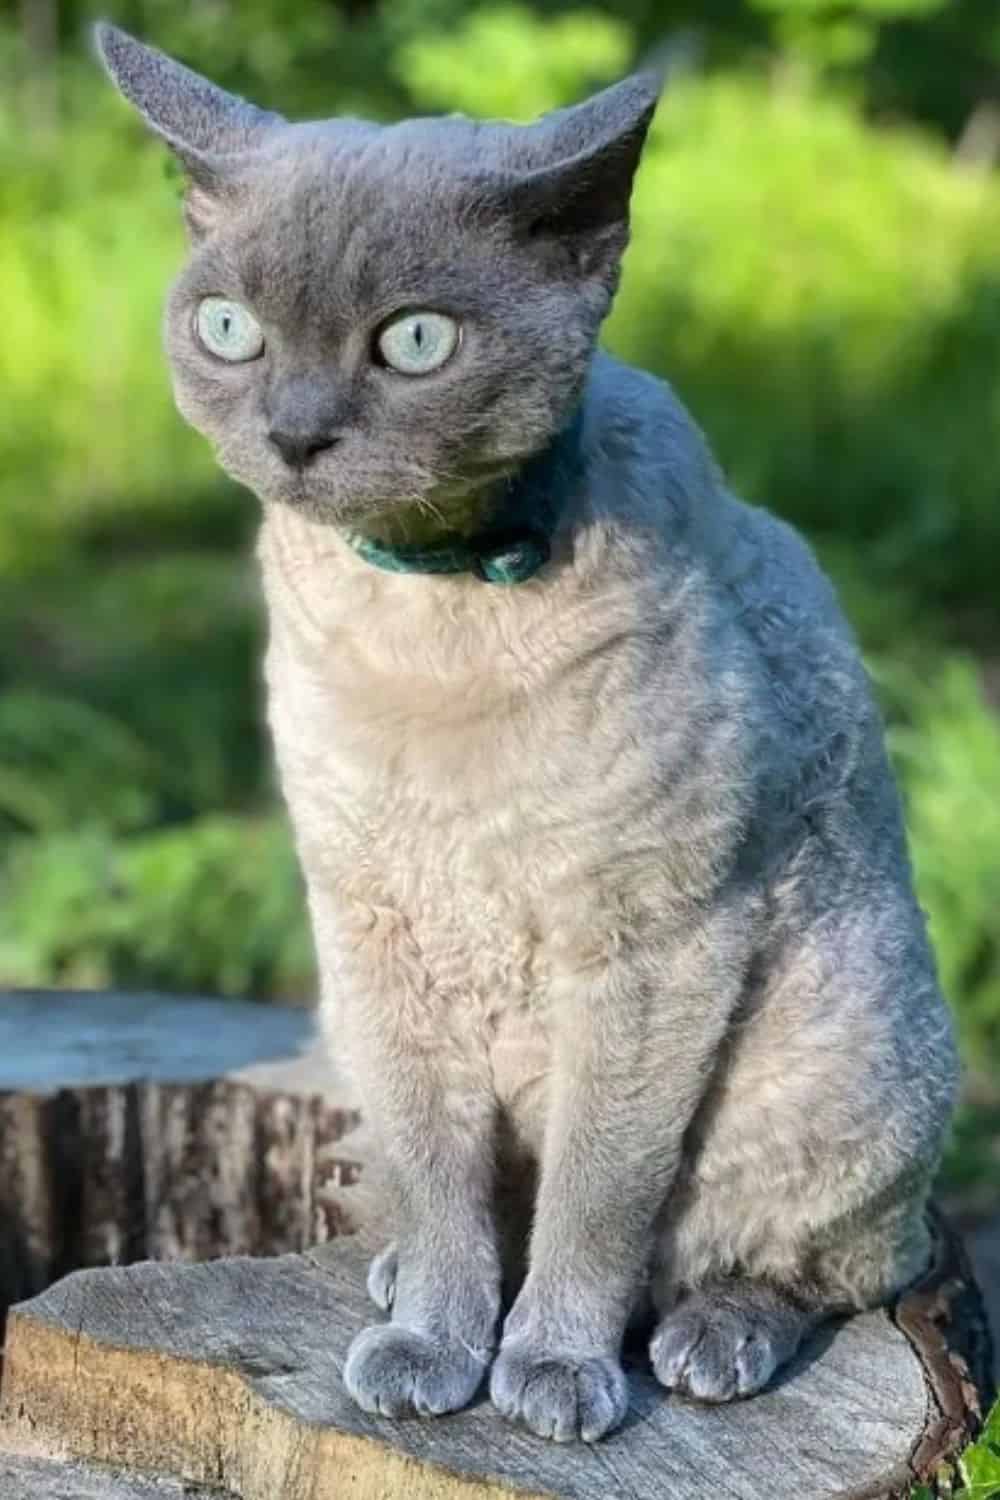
418	334
226	322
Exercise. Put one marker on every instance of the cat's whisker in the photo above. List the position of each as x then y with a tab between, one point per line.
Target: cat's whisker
427	507
612	875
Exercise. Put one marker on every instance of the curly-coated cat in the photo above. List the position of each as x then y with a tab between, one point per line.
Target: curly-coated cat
605	863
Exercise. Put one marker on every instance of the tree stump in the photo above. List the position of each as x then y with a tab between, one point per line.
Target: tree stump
227	1377
135	1126
138	1126
38	1479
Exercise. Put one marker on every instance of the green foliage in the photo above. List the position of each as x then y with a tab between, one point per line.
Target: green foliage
980	1464
129	693
972	1158
945	743
88	240
828	33
132	786
213	906
978	1474
822	297
946	748
823	292
290	52
62	758
508	63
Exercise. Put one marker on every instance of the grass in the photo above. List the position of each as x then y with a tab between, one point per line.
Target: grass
978	1469
824	295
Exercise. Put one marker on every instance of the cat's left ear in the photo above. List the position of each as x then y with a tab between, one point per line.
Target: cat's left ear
579	193
210	131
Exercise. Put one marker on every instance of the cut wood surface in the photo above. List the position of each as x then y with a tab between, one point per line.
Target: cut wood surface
136	1126
228	1375
55	1039
43	1479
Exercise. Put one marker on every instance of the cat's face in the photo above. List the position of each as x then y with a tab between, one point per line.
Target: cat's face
375	318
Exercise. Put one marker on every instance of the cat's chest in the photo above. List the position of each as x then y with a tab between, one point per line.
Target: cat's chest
464	759
436	806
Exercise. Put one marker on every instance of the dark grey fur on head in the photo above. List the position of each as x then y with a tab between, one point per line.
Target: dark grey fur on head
608	874
325	230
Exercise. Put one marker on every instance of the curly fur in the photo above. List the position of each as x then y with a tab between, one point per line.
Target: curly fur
607	871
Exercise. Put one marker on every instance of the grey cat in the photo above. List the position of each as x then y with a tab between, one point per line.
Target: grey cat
605	865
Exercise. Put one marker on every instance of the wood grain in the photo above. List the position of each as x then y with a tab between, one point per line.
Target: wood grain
228	1374
44	1479
135	1126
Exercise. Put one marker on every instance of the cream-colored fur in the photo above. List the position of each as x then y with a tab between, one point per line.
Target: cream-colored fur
606	870
514	806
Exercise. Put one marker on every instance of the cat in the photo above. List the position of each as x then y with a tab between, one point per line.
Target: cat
605	865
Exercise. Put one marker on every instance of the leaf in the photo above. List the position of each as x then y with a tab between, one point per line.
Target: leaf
980	1464
980	1468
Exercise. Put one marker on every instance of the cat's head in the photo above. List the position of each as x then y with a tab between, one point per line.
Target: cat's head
381	317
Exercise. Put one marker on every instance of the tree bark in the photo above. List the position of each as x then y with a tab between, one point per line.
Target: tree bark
147	1128
227	1376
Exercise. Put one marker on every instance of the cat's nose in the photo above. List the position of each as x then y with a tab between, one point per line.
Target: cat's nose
300	448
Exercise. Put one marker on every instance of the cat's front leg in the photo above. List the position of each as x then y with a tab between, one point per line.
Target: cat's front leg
432	1110
632	1051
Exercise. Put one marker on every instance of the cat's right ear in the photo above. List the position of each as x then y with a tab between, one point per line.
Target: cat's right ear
581	162
210	131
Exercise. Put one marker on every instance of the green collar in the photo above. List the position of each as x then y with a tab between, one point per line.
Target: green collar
518	543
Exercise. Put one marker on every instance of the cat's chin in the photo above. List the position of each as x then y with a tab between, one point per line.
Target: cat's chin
323	511
312	503
408	504
315	508
404	499
373	516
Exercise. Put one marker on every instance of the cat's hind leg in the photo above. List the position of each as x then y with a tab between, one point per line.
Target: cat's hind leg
806	1170
728	1323
727	1338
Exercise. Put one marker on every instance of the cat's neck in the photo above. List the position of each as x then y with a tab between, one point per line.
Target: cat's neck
426	523
500	533
504	530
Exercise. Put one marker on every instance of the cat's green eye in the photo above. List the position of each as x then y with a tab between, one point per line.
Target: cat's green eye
418	342
228	330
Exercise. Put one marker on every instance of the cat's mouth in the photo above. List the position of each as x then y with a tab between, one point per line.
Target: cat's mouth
341	489
330	504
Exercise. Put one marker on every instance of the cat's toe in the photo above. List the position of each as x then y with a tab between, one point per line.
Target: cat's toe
382	1278
558	1397
717	1350
392	1371
690	1353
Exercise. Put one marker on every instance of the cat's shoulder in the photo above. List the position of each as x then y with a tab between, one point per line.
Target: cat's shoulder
652	466
646	458
630	404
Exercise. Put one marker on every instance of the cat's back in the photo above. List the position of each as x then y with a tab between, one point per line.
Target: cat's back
655	468
768	612
770	647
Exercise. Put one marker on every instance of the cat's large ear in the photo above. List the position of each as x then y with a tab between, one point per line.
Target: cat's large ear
210	131
580	182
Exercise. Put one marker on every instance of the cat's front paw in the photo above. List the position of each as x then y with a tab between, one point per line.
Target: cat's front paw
392	1371
557	1396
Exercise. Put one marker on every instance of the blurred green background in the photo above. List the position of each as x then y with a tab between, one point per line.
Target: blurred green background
815	265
